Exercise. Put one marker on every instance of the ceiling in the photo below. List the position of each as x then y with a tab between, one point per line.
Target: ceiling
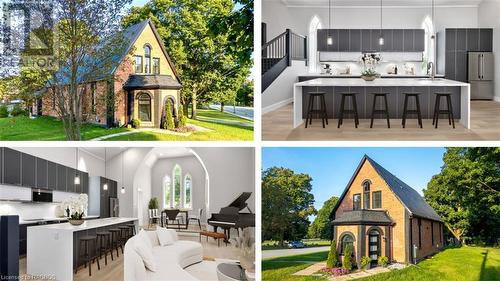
166	152
99	152
376	3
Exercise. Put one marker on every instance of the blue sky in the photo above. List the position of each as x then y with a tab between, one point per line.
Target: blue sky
332	168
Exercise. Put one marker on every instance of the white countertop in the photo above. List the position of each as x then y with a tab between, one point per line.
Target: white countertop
381	82
47	219
359	75
89	224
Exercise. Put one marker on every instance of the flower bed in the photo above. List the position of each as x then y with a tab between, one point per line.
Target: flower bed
336	271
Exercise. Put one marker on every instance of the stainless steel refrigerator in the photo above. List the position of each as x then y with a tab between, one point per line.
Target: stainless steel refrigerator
114	207
481	75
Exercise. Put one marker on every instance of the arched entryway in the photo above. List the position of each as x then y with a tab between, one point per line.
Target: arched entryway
171	102
144	107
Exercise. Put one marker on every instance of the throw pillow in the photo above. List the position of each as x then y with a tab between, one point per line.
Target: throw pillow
164	237
143	248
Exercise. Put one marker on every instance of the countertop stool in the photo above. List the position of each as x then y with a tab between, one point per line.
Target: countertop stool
343	110
132	230
115	240
87	255
407	111
311	111
124	235
438	111
104	245
380	111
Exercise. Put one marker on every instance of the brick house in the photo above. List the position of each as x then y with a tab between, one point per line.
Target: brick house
380	215
141	82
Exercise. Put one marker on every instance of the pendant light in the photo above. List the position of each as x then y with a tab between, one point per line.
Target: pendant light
123	186
105	186
77	174
381	38
433	35
329	38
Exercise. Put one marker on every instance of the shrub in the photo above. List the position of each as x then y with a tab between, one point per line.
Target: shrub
383	261
18	111
337	271
169	119
365	262
182	118
153	203
136	123
347	260
4	112
333	257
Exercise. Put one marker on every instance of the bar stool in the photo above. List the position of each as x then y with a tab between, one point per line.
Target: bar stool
124	234
448	110
382	111
407	111
86	255
321	111
132	229
115	240
343	110
104	245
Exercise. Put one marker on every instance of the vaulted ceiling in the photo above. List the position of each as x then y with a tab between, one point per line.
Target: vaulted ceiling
376	3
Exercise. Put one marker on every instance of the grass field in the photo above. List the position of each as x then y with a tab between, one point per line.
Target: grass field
458	264
50	129
274	245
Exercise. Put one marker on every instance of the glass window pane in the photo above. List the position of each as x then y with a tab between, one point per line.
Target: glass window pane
366	200
138	64
177	186
187	192
357	201
167	189
144	107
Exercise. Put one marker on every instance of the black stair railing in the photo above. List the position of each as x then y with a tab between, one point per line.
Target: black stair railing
278	54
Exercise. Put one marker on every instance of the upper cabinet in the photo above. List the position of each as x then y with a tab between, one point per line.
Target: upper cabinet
28	170
12	166
367	40
51	175
41	173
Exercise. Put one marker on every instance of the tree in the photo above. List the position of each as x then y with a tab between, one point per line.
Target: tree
466	193
245	94
287	203
347	260
169	118
320	227
333	257
209	41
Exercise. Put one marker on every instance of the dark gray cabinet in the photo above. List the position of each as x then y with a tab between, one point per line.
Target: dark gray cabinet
61	177
85	183
486	40
51	175
355	40
397	40
321	40
12	166
419	40
70	179
28	170
112	191
366	37
387	34
408	40
41	173
472	40
344	41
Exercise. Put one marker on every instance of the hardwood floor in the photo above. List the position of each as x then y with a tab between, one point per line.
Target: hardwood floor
485	125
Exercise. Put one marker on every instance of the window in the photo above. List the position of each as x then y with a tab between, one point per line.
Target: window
347	239
138	64
167	190
93	93
187	191
177	186
314	25
147	59
145	107
356	202
377	200
156	65
366	185
366	200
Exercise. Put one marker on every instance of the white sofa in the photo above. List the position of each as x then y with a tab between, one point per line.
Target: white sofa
170	260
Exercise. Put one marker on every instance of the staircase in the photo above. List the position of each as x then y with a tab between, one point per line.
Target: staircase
279	53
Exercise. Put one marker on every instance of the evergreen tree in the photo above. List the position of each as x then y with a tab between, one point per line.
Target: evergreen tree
333	257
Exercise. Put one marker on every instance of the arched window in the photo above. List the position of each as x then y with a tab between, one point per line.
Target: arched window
430	44
177	175
145	107
366	185
167	191
314	25
147	59
347	239
188	194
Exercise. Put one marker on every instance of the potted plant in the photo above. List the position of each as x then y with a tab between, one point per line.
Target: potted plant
245	243
383	261
76	218
369	61
365	263
153	204
369	74
78	207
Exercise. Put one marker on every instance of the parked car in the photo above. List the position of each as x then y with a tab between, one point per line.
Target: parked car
295	244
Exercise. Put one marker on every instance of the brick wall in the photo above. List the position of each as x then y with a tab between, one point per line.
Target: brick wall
428	229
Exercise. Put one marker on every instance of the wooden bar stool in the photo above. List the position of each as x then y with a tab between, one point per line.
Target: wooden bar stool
132	230
124	235
321	111
87	256
343	110
115	240
380	111
438	111
104	245
407	111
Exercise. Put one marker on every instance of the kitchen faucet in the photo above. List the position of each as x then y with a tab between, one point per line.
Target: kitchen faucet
430	65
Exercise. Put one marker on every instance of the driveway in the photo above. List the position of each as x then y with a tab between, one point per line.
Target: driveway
266	254
243	112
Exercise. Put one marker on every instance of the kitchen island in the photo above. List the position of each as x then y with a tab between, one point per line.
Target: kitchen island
52	249
395	88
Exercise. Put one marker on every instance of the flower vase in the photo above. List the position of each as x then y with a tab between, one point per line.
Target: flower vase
76	222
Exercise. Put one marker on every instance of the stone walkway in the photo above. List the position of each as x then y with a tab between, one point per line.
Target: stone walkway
311	270
155	130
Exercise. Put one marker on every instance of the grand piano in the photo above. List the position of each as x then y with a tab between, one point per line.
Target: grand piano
232	217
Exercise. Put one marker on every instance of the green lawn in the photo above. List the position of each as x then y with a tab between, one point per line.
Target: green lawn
50	129
459	264
274	245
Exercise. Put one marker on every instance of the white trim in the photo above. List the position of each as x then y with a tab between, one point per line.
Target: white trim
277	105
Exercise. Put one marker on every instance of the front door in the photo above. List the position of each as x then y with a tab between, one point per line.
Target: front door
374	246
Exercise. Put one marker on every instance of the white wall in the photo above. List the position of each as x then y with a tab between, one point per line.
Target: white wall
488	17
280	92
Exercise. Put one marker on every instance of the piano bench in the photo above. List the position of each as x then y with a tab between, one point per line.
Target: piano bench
215	235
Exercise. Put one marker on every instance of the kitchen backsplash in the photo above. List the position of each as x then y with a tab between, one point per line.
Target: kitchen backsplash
353	68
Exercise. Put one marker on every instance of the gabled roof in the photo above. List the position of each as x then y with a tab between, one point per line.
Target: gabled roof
409	197
130	36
